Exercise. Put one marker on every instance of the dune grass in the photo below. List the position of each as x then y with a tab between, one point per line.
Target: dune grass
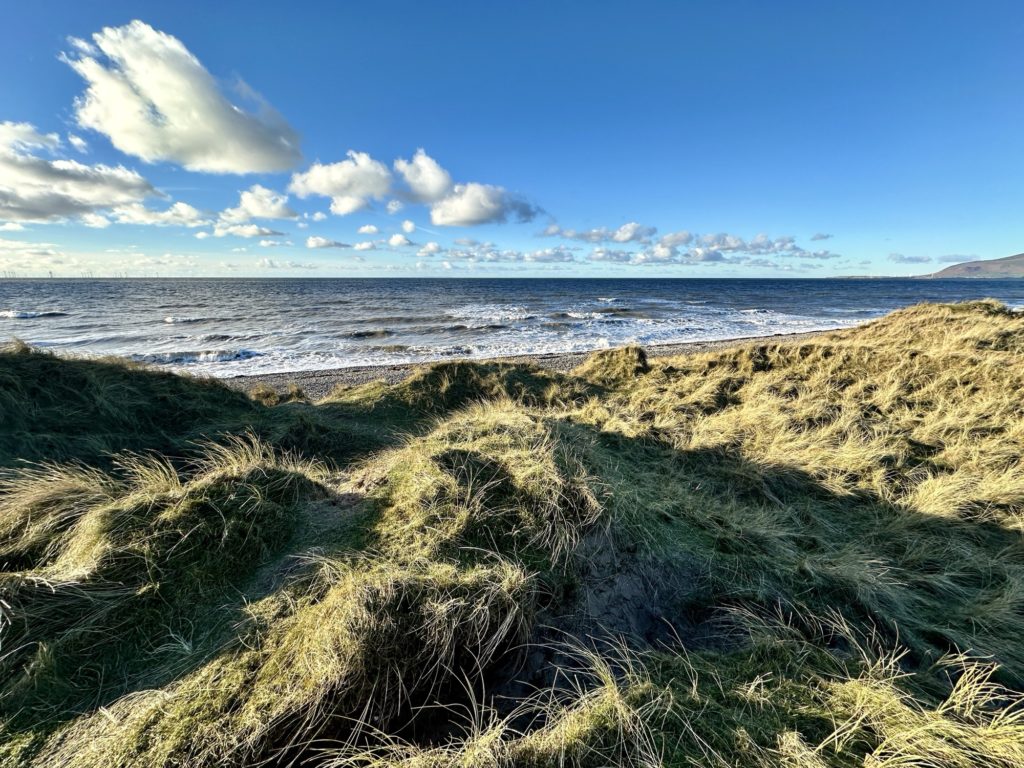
793	554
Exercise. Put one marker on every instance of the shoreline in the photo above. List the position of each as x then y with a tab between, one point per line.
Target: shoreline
317	383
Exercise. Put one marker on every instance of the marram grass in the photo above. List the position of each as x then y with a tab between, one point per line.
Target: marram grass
797	554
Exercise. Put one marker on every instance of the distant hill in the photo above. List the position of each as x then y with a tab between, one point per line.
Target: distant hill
1008	266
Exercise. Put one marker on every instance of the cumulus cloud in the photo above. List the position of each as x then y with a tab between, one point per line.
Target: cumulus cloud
630	232
398	240
366	245
154	100
682	246
178	215
11	226
488	252
221	229
37	188
351	184
95	220
549	255
474	203
426	180
258	202
430	249
899	258
686	248
368	229
613	255
266	263
408	227
274	243
323	242
682	237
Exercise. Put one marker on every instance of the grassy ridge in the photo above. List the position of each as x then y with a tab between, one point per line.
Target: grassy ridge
784	554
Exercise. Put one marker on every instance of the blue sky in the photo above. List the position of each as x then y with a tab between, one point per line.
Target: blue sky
670	139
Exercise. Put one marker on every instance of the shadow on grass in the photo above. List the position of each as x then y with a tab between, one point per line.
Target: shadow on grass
699	536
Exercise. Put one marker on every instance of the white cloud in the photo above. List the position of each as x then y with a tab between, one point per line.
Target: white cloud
899	258
258	202
11	226
266	263
408	226
398	240
323	242
428	182
274	243
318	216
430	249
682	237
683	247
613	255
34	188
474	203
95	220
368	229
549	255
221	229
394	206
366	245
475	252
704	249
154	100
78	143
820	236
351	184
630	232
20	246
177	215
23	137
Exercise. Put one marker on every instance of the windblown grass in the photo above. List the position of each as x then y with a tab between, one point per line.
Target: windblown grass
781	554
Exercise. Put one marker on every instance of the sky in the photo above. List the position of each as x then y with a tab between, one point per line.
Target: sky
713	139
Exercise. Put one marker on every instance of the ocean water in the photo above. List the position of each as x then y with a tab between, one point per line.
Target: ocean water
226	327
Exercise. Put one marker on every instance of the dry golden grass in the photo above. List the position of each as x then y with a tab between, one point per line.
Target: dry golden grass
793	554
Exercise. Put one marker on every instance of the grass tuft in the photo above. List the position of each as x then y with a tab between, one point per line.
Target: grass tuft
803	554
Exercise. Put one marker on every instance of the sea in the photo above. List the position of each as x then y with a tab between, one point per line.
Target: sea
227	327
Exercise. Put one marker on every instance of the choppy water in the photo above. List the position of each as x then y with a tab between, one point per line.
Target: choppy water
227	327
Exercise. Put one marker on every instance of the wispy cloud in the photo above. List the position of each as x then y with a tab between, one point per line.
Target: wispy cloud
899	258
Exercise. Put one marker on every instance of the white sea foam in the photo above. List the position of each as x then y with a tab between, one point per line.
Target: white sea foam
16	314
200	356
171	320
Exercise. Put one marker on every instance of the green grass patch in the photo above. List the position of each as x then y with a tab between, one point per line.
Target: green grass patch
798	554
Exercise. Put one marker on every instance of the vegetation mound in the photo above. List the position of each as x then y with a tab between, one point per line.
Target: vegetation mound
799	553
